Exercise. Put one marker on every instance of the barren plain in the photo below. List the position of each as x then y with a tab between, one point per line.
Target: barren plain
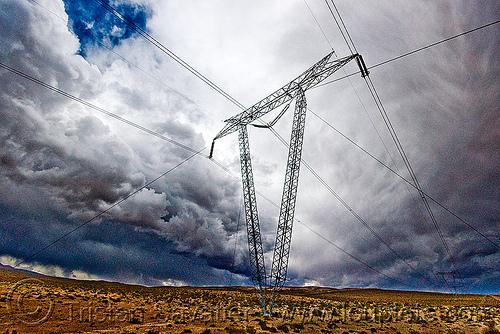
31	303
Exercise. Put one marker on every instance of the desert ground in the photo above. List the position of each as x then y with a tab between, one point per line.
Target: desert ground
32	303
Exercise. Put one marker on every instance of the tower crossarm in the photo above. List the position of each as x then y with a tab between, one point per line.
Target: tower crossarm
310	78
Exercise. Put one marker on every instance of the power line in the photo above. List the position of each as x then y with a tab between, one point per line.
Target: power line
407	181
359	98
106	210
434	44
158	80
317	22
396	141
348	207
180	61
407	163
206	80
190	68
385	62
343	25
209	82
338	25
90	105
70	96
380	138
352	256
361	220
411	52
169	53
136	66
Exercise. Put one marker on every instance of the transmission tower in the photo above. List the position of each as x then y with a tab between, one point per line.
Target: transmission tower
448	273
268	285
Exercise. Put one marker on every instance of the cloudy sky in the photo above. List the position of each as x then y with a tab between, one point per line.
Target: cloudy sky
62	162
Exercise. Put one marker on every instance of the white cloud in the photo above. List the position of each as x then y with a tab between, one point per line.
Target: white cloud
50	270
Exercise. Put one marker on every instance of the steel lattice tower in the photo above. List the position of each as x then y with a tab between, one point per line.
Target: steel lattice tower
268	286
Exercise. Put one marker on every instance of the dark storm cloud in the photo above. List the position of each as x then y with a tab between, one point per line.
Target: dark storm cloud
130	256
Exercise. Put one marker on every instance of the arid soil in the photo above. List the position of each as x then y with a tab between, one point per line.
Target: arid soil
38	304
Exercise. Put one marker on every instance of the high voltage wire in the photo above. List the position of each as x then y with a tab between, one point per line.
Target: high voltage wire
387	121
318	177
352	211
407	163
373	124
184	147
338	25
434	44
411	52
355	91
169	53
222	92
157	80
136	66
90	105
126	121
210	83
352	256
395	139
317	22
191	69
407	181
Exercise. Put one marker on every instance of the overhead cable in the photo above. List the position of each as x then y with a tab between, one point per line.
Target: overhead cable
168	52
410	53
407	181
397	142
90	105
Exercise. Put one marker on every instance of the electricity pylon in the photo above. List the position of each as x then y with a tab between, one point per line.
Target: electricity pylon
268	286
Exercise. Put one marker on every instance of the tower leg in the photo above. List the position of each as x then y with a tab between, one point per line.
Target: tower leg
256	253
288	199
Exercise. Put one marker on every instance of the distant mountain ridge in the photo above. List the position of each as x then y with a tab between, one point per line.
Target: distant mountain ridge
24	271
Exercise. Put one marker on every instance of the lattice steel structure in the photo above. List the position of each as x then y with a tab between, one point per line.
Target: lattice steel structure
256	253
268	286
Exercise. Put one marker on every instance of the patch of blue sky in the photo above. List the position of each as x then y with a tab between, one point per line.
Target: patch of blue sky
94	25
